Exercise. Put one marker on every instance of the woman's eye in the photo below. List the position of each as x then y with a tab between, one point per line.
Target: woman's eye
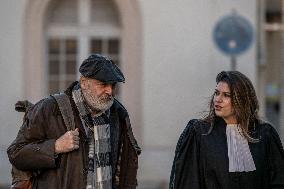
227	95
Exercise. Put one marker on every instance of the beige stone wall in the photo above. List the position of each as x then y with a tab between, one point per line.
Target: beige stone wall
180	64
170	63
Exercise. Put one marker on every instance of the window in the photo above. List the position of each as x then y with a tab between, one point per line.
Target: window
107	47
76	29
62	54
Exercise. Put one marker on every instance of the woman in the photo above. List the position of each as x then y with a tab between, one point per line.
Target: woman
231	147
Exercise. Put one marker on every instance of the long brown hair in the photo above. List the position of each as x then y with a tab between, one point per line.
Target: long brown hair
244	101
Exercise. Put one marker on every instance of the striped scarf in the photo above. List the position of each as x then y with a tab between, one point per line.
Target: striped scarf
98	132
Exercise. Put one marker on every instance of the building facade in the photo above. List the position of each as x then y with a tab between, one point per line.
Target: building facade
164	47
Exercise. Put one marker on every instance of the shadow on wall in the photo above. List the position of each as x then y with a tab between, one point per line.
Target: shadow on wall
4	186
153	185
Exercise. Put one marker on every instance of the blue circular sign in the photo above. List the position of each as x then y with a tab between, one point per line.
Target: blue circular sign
233	34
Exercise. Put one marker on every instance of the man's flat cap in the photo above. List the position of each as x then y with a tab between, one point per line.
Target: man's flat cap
101	68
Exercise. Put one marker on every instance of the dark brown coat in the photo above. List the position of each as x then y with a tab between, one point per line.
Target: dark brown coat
33	149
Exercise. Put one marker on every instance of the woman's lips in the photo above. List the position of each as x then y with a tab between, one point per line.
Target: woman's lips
218	108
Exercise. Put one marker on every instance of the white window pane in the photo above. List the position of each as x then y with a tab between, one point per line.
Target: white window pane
71	66
54	67
53	86
113	46
96	46
54	47
62	63
71	46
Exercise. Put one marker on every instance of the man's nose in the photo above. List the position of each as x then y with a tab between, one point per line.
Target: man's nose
109	89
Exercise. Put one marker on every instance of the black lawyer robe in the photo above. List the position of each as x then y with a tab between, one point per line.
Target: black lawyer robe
201	159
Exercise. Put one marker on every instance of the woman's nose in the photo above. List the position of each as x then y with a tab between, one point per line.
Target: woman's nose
218	98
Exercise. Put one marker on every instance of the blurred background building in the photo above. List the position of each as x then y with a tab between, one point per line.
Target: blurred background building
164	47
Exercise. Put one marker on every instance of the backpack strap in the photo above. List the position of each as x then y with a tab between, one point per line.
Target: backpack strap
65	108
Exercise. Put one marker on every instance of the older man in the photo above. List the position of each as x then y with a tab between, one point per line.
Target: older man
101	153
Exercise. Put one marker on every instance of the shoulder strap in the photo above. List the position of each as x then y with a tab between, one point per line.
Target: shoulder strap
65	108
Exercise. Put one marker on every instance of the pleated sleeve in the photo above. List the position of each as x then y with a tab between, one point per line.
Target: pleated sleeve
186	166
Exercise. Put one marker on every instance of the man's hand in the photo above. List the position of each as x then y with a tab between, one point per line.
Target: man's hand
67	142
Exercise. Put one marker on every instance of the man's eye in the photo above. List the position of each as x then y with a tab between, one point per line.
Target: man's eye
102	84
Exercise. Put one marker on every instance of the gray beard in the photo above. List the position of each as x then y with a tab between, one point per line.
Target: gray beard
97	104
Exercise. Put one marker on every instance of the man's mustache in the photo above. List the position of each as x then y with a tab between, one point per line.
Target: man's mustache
107	97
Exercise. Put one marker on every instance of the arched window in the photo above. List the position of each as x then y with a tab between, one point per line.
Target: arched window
74	29
65	31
